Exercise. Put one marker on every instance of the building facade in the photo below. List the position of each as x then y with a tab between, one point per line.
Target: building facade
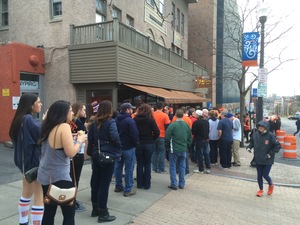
138	51
211	46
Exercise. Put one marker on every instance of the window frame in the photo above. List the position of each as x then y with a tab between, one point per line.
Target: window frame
178	21
53	3
173	15
182	24
128	19
4	14
117	13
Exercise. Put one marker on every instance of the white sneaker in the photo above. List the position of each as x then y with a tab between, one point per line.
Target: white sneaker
207	171
197	171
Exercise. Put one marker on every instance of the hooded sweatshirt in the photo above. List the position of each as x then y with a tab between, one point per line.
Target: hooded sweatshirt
264	144
148	130
213	128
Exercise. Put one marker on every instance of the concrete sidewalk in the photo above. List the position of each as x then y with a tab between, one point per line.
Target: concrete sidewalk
222	197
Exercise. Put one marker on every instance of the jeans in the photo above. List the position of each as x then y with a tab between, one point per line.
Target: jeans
202	151
100	181
50	210
213	151
179	157
225	153
143	171
263	171
127	160
158	157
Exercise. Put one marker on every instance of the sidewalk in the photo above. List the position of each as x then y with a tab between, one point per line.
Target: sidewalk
222	197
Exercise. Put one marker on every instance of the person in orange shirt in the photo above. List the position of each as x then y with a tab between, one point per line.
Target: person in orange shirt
158	157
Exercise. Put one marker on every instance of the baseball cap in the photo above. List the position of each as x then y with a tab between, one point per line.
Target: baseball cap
229	115
199	112
126	105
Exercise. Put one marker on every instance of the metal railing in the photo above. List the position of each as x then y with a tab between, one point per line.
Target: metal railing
106	31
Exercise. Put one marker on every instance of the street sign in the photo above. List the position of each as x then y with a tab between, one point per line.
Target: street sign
254	92
262	75
262	90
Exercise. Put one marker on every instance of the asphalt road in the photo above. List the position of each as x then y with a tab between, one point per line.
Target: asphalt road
9	172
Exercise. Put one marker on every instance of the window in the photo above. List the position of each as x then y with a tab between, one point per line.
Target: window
100	11
129	21
117	13
161	7
182	24
150	2
178	21
4	12
56	8
173	15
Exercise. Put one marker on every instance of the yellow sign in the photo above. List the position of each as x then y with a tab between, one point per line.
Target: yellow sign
203	82
5	92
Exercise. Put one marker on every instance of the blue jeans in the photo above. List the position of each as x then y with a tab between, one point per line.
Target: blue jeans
263	171
202	151
143	170
158	157
180	158
127	159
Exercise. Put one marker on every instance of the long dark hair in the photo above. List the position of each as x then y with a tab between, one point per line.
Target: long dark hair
105	112
56	114
145	110
76	107
25	107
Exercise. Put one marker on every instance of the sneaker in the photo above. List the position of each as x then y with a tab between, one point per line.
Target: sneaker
119	189
162	171
259	193
181	187
128	194
79	207
271	189
207	171
197	171
172	187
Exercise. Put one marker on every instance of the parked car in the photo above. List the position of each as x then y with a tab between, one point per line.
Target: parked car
294	117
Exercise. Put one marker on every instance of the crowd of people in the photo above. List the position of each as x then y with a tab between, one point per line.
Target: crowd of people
142	137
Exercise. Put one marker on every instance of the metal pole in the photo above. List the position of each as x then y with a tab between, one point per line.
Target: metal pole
259	111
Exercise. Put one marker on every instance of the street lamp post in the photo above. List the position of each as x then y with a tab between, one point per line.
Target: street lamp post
262	13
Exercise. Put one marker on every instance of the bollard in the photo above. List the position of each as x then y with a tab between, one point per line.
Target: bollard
280	137
290	147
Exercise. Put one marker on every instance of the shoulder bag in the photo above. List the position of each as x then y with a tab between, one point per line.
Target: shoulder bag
64	195
104	158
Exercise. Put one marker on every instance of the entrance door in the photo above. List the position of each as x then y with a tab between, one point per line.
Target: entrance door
33	83
96	95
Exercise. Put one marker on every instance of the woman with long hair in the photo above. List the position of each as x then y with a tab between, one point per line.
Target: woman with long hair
148	132
79	118
57	149
25	133
104	132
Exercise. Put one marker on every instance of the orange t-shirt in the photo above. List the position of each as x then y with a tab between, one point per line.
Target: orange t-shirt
161	120
185	119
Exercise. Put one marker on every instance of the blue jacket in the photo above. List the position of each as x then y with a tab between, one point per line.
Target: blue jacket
28	136
128	131
109	139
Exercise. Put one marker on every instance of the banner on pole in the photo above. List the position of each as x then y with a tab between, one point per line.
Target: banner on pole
250	49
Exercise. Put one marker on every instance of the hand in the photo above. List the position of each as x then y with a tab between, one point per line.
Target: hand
81	138
269	156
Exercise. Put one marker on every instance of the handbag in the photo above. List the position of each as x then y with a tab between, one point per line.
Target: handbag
60	195
104	158
31	174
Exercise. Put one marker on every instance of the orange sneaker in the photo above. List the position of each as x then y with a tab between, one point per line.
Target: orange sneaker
271	189
259	193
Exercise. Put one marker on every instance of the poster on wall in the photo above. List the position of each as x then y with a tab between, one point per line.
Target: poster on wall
15	102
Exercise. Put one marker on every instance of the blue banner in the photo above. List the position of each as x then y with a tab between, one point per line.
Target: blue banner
250	49
254	92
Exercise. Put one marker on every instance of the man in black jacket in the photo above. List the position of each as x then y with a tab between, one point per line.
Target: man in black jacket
265	146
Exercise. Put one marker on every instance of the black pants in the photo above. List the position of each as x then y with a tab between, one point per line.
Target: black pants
50	210
213	144
298	129
78	160
100	181
225	153
143	170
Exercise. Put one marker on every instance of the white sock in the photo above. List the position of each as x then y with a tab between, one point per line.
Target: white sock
36	214
24	205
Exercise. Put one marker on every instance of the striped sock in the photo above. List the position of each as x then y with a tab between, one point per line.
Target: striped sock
24	205
36	214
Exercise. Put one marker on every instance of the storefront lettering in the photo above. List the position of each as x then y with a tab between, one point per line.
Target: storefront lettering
25	84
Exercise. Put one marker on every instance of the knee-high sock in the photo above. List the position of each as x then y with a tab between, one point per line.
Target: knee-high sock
24	205
36	214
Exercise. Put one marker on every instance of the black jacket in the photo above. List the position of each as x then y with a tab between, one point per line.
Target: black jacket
148	130
200	129
264	144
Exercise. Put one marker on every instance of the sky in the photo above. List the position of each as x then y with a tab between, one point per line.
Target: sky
285	81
